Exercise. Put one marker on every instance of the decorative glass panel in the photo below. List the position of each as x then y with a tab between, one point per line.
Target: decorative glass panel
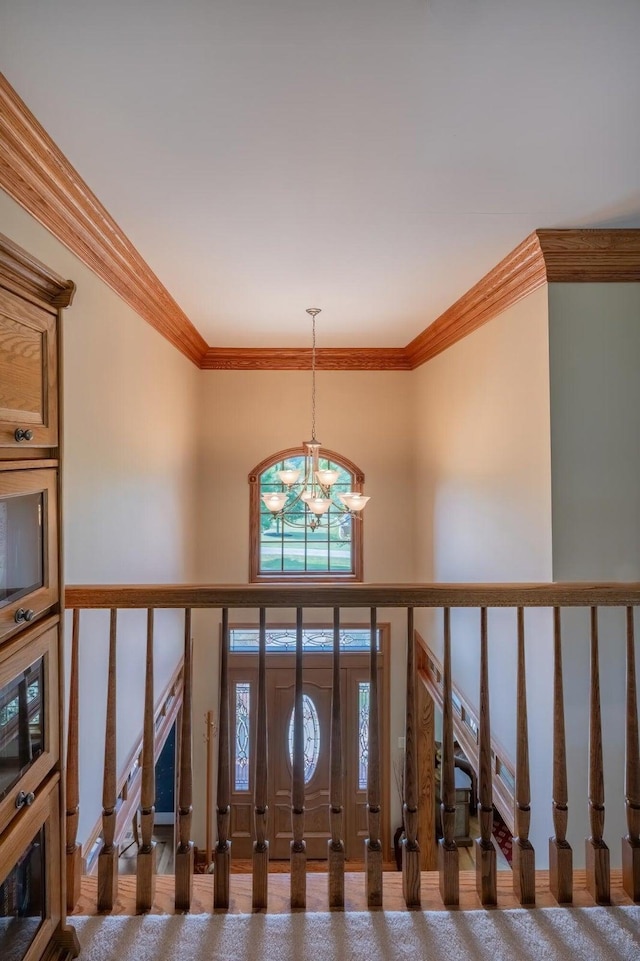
287	543
311	737
21	730
243	699
363	734
23	901
21	546
316	639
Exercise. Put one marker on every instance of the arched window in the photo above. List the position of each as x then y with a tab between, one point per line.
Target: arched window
288	546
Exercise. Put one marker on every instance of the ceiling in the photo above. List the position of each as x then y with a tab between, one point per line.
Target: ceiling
371	157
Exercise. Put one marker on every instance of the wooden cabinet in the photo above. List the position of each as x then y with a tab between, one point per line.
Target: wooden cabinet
29	575
30	862
29	711
28	380
32	891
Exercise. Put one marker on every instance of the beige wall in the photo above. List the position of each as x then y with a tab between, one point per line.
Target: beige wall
594	336
483	509
130	415
461	459
244	417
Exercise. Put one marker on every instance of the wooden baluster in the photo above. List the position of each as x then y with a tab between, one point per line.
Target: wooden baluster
486	880
524	859
560	853
223	846
426	770
74	852
631	843
336	820
146	866
410	846
597	852
108	857
373	845
298	846
184	851
448	866
260	785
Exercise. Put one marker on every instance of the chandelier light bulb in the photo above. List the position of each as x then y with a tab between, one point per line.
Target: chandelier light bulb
319	505
327	477
274	502
289	476
353	500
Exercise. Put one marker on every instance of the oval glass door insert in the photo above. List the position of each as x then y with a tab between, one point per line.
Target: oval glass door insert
310	735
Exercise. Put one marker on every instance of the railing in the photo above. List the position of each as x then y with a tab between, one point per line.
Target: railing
411	598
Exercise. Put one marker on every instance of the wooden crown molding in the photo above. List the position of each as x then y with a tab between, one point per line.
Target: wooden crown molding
299	358
546	256
520	273
26	276
591	256
39	177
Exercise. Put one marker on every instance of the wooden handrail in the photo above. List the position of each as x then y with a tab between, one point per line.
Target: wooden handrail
432	677
586	594
465	727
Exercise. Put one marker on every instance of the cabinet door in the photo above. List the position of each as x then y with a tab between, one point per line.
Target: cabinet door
28	547
28	389
30	877
29	719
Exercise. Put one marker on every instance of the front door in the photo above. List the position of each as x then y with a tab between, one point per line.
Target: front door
317	726
317	694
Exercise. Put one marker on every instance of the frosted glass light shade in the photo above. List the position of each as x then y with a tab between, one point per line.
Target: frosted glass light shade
289	476
319	505
306	496
327	477
353	501
274	502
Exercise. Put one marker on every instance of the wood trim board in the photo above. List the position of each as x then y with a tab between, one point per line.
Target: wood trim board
35	172
37	175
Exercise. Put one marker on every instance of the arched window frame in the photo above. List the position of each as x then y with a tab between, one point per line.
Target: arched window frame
255	575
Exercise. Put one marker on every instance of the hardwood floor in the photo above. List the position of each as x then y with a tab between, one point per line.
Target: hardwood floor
164	838
317	893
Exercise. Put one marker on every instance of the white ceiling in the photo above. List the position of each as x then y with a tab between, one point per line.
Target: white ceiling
371	157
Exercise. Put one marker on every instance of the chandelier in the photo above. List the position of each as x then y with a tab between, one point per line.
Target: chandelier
312	485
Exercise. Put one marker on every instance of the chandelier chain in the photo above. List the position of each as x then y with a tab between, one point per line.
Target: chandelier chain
313	377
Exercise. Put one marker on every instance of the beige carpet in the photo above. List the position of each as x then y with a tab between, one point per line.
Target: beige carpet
543	934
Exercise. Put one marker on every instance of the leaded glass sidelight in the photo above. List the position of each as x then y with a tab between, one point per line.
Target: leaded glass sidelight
363	734
243	704
311	737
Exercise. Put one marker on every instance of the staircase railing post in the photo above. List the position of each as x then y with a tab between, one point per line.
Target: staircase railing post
410	846
184	851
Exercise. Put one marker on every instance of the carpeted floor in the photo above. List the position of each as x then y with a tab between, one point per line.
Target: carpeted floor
543	934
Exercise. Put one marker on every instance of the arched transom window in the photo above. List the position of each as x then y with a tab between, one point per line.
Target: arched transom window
290	545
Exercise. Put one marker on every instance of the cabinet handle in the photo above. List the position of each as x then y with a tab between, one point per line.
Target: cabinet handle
24	615
24	800
23	434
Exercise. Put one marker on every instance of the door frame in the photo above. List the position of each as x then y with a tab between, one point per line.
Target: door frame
247	661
